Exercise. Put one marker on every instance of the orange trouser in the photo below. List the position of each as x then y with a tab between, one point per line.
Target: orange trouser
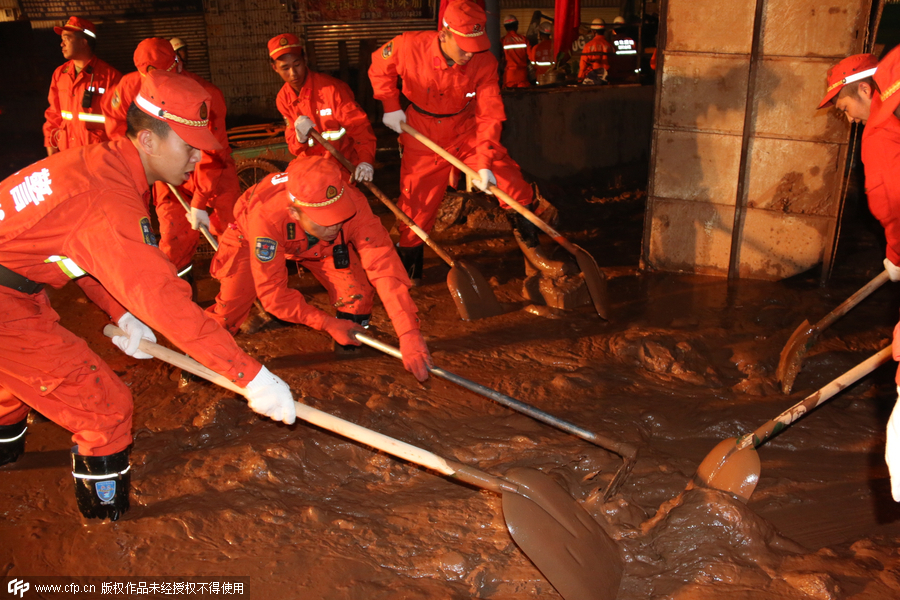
424	176
516	77
48	368
348	289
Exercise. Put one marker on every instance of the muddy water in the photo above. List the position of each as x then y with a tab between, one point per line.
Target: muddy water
684	363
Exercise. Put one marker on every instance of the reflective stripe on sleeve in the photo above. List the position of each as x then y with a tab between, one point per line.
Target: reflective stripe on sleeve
68	266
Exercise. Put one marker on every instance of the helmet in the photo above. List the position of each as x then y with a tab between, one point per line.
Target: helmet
546	28
619	21
177	44
510	20
598	24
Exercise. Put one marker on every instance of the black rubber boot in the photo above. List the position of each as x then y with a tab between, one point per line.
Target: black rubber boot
12	441
359	320
102	484
413	259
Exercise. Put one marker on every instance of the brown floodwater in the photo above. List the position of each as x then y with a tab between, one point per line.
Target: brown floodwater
684	363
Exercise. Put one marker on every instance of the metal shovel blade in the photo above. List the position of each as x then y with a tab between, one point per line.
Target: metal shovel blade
729	469
562	540
471	292
793	353
595	280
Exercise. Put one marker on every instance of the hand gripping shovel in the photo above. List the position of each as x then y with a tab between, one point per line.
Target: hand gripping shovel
563	541
626	451
471	292
806	335
215	245
733	465
593	276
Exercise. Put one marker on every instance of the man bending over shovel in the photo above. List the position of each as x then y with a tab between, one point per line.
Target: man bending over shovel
82	214
453	84
312	215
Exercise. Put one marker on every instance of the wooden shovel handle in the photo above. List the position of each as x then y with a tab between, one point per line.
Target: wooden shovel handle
335	424
384	199
815	399
853	300
537	221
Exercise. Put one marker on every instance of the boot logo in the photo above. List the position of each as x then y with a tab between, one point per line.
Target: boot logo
106	490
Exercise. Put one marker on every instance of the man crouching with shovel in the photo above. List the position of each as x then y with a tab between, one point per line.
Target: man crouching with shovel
310	215
82	214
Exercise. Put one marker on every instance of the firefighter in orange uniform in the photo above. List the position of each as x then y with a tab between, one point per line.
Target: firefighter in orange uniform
74	117
309	99
83	215
515	55
542	52
312	215
594	65
452	83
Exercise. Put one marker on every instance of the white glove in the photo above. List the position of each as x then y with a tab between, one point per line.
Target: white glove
364	172
485	180
892	269
892	449
302	125
393	120
135	332
271	397
198	217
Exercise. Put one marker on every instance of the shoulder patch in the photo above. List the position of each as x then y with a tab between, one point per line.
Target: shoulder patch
291	231
387	50
265	249
115	99
147	232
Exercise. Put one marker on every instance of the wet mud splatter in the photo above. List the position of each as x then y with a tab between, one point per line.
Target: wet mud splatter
683	363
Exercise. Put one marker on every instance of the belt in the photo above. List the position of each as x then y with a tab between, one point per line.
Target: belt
436	116
17	282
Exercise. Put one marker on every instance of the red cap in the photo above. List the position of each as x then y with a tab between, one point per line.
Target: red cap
77	24
182	103
887	78
853	68
466	20
316	186
156	53
284	43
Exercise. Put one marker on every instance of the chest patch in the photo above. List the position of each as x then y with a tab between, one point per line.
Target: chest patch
147	232
291	231
265	249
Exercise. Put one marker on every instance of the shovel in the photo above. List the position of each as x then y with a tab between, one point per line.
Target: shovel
563	541
215	246
733	465
593	276
806	335
626	451
471	292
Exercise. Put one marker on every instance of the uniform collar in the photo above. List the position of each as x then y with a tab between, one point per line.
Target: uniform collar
125	148
438	60
306	90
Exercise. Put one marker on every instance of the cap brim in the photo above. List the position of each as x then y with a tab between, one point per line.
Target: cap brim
197	137
333	214
828	100
473	44
59	30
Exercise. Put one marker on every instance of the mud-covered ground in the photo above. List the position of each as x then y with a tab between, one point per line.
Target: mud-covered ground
683	363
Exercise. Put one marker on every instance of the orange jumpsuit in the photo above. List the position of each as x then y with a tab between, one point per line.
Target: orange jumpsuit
881	155
213	185
515	51
66	123
594	56
252	254
542	57
83	213
329	102
466	119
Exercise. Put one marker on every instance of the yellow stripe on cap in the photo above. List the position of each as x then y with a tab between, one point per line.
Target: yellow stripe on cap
164	114
280	48
474	34
314	204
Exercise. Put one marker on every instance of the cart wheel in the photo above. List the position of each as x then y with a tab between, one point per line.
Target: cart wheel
250	172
